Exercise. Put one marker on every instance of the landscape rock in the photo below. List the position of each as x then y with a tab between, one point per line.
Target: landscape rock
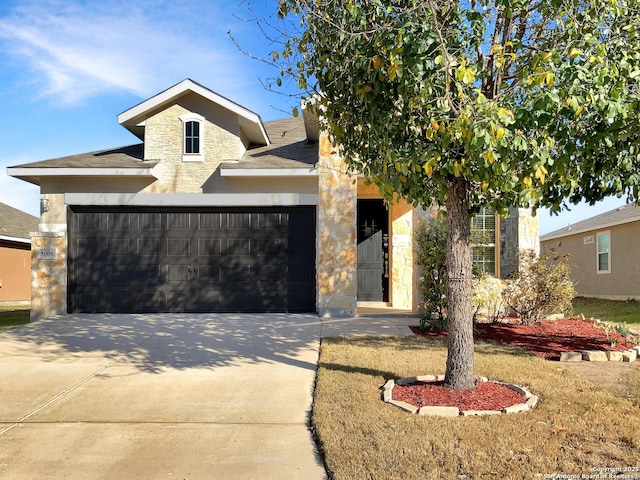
440	411
629	356
521	407
594	356
571	357
614	356
478	413
405	406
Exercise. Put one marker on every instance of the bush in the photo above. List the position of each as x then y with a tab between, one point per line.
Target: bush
431	243
541	286
487	297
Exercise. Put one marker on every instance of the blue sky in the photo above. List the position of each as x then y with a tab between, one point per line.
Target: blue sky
69	67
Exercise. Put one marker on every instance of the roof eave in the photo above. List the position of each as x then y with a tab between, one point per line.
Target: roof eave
133	118
593	228
35	175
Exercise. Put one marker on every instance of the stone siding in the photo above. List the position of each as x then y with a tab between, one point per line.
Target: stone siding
48	276
164	142
336	239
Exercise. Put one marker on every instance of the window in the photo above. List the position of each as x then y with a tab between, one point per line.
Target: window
603	252
192	137
483	242
193	126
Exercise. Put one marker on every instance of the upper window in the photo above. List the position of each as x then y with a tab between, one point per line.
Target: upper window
193	126
483	238
192	137
603	253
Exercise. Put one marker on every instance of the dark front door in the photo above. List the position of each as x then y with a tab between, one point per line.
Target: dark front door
197	260
373	251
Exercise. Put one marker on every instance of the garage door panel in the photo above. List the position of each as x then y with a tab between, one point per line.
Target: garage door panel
173	260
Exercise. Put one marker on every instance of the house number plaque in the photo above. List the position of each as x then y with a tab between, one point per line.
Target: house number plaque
47	253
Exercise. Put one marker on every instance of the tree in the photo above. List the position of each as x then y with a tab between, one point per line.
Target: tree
474	103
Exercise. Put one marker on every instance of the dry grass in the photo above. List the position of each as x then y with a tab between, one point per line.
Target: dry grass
575	427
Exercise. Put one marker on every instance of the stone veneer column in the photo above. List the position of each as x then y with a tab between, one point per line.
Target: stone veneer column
336	238
402	262
48	275
528	231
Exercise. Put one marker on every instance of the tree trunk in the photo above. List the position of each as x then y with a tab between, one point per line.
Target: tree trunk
460	361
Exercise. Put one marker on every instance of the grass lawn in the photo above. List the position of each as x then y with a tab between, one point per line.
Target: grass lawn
13	315
618	311
575	427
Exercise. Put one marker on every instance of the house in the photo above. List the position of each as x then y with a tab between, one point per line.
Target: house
216	210
603	253
15	254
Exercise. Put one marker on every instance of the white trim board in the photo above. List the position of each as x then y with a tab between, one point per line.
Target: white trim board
191	199
268	172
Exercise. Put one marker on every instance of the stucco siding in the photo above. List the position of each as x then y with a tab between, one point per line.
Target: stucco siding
623	280
15	272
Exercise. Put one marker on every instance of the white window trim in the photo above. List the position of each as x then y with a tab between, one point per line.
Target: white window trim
192	117
598	271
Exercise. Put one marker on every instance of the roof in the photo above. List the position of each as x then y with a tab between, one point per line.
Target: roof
116	161
289	148
618	216
15	224
249	122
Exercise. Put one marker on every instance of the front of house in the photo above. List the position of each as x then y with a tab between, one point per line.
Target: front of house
216	211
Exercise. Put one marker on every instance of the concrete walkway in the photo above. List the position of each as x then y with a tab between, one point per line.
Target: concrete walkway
159	396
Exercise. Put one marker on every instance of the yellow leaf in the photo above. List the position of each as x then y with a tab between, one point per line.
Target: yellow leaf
490	157
527	181
574	53
434	125
499	133
398	167
549	77
428	169
484	186
377	62
547	56
403	179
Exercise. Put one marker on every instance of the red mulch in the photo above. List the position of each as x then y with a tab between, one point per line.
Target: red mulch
486	396
547	339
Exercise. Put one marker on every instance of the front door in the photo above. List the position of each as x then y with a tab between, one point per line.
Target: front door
373	251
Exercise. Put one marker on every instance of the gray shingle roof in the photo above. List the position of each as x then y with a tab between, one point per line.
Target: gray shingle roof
617	216
289	148
124	157
16	223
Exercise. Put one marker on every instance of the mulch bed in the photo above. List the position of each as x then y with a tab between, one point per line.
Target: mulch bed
547	339
486	396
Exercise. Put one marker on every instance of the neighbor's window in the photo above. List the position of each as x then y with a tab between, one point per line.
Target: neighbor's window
193	126
483	242
604	252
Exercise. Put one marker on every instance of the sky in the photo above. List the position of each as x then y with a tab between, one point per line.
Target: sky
69	67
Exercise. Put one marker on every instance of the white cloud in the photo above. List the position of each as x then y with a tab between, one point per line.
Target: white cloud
79	49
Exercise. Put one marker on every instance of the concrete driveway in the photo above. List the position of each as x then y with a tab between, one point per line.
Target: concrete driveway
176	396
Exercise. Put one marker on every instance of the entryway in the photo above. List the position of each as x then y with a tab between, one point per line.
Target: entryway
373	251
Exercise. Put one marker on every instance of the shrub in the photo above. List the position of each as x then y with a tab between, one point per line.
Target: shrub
541	286
431	243
487	297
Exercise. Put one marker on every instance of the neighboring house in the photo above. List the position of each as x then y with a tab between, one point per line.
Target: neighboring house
217	211
603	253
16	227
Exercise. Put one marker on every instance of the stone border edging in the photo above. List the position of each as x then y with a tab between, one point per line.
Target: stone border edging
630	355
442	411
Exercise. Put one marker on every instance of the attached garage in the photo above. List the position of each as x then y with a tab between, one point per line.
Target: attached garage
157	259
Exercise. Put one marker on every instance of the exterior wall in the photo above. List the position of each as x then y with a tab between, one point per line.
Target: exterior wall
623	282
48	276
336	238
15	272
164	142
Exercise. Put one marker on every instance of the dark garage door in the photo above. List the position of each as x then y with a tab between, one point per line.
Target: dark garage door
205	260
